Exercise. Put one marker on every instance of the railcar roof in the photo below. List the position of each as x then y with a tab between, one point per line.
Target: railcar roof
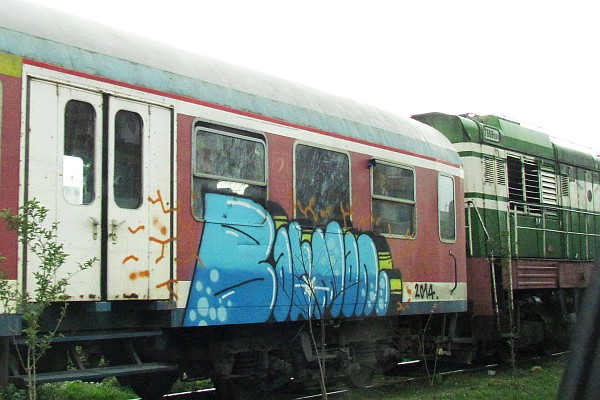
38	33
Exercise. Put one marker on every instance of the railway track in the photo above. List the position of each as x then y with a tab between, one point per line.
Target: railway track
407	372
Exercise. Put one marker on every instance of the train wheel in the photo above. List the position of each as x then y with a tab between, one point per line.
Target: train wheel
237	389
504	352
150	386
362	378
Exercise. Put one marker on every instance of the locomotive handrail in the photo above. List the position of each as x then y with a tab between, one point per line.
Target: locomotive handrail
471	204
564	215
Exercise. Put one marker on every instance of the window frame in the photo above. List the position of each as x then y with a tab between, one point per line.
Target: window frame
119	200
413	202
294	177
529	204
67	137
238	133
453	180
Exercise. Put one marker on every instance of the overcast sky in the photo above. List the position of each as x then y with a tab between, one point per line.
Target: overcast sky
537	62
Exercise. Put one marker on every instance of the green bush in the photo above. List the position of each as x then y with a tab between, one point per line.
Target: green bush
77	390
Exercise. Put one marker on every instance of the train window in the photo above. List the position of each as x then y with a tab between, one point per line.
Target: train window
127	180
393	200
322	185
227	162
523	183
446	208
78	155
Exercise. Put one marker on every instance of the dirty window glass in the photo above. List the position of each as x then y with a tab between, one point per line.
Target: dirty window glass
78	156
127	183
227	163
446	208
393	200
322	185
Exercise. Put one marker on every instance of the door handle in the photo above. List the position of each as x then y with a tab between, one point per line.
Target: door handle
95	224
113	229
455	272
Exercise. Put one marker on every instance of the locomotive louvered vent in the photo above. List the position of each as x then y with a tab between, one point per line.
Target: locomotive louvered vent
549	190
494	171
564	185
500	172
488	165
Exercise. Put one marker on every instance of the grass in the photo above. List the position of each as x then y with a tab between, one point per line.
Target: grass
537	382
531	382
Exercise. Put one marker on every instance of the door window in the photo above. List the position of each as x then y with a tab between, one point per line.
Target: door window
128	160
78	155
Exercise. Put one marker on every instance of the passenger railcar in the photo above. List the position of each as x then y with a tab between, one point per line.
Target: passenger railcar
228	211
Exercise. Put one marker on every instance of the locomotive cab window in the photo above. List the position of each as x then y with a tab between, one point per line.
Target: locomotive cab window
446	208
227	161
78	155
523	183
322	185
393	200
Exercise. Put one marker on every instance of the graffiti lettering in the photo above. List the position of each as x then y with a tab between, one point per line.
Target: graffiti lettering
256	270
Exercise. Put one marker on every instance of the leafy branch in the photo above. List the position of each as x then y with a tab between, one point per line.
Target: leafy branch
45	257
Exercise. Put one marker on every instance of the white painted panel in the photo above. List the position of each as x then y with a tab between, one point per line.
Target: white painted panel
46	119
140	240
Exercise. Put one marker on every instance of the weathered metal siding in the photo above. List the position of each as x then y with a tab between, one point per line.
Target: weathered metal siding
10	129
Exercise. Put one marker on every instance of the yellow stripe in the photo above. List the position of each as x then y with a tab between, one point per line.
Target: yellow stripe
10	65
395	285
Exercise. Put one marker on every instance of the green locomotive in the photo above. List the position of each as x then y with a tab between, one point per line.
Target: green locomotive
532	227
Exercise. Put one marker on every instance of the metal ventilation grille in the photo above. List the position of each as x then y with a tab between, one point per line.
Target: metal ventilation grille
549	190
564	185
500	172
494	171
488	173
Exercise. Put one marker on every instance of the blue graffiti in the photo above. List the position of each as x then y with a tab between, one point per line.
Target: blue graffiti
251	272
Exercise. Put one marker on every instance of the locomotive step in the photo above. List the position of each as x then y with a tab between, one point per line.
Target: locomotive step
98	373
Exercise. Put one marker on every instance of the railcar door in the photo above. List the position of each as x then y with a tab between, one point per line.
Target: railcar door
82	144
63	167
139	200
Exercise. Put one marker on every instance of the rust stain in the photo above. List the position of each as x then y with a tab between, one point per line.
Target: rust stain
136	230
130	296
161	227
401	307
140	274
129	258
169	285
162	203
